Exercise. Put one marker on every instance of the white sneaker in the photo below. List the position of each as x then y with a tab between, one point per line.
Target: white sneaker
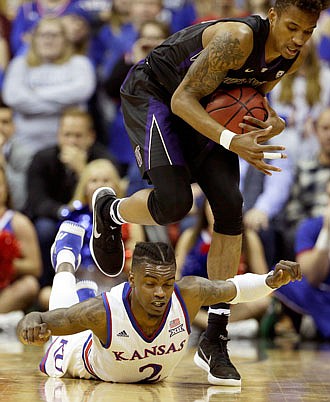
69	237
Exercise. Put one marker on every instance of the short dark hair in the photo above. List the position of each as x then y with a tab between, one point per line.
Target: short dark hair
309	6
157	253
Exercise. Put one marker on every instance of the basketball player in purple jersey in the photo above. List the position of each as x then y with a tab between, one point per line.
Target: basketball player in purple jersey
176	142
139	330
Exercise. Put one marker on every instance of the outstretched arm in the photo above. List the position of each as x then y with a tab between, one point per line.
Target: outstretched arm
36	327
199	291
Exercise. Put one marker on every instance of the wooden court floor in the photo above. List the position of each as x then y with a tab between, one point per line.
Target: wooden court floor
271	372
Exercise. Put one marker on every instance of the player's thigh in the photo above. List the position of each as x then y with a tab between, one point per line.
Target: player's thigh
150	124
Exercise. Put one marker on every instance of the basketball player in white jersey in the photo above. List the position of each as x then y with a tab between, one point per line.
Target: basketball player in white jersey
138	331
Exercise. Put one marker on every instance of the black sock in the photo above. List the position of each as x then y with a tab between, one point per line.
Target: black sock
217	323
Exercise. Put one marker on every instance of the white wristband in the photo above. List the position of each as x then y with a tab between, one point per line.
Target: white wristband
225	138
250	287
323	240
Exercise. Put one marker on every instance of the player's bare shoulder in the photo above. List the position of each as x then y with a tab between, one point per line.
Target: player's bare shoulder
231	41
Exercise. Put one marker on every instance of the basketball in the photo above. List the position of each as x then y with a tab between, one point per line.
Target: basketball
228	107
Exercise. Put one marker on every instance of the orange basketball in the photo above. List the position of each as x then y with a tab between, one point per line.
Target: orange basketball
228	107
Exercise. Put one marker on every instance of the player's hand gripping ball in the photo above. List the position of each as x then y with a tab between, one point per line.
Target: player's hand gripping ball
228	107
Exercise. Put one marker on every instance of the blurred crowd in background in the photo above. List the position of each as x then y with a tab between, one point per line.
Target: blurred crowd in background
62	135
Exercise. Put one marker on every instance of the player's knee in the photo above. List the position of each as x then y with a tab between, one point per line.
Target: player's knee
169	206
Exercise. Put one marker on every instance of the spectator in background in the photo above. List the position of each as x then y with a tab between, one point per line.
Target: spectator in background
178	14
78	30
8	11
39	86
7	129
216	9
5	54
108	44
115	39
30	13
4	58
151	34
298	99
323	37
308	196
53	175
259	7
20	260
312	295
97	173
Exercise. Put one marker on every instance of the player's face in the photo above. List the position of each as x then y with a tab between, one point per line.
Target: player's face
291	30
153	286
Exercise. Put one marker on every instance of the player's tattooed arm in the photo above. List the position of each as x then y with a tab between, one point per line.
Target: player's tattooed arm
224	52
89	314
212	292
36	327
198	292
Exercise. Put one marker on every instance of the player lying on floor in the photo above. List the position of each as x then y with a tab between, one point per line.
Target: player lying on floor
138	331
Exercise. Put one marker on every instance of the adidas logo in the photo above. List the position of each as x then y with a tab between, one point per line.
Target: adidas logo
123	333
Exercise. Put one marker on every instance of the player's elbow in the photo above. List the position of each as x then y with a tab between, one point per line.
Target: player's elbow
179	103
175	102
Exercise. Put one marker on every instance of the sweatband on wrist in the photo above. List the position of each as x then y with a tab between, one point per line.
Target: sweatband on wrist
323	240
225	138
250	287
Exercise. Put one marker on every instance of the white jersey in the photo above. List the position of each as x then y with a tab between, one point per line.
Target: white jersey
129	355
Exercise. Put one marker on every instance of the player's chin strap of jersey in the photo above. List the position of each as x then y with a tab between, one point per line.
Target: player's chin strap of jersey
250	287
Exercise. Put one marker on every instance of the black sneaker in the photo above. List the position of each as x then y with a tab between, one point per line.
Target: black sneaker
106	244
213	358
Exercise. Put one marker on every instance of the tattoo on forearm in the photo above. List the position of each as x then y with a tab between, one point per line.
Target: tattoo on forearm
222	54
215	291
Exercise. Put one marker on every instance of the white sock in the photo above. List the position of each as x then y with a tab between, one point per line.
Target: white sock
63	292
65	256
219	311
115	214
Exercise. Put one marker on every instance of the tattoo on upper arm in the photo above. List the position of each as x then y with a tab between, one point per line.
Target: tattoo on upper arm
205	75
95	316
86	315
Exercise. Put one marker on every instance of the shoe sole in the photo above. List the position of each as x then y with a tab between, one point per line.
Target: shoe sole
215	380
96	193
68	227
